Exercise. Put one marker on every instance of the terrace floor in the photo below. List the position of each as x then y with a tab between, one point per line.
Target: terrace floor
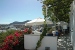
64	43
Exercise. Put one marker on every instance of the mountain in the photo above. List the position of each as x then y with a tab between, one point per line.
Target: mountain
19	23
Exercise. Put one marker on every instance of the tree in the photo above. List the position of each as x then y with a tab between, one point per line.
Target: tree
59	9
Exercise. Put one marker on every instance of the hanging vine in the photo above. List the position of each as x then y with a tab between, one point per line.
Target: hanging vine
41	37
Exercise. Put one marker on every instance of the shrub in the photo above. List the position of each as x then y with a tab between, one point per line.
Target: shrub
12	40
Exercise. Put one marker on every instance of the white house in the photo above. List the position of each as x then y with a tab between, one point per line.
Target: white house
72	24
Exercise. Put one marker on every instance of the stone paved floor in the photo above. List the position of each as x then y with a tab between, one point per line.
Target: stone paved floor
64	43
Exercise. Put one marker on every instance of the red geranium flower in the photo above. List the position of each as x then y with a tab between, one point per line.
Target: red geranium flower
10	37
6	47
16	42
0	48
26	30
17	34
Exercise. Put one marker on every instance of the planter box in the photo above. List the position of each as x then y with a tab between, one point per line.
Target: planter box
30	42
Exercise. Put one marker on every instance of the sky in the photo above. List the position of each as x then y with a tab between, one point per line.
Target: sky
19	10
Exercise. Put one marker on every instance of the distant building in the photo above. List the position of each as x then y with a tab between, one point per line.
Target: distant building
19	25
3	26
13	25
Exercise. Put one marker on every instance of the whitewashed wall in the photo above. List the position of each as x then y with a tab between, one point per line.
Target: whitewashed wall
72	24
30	42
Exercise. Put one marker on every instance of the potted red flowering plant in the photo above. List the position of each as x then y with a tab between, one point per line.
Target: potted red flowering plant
14	41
